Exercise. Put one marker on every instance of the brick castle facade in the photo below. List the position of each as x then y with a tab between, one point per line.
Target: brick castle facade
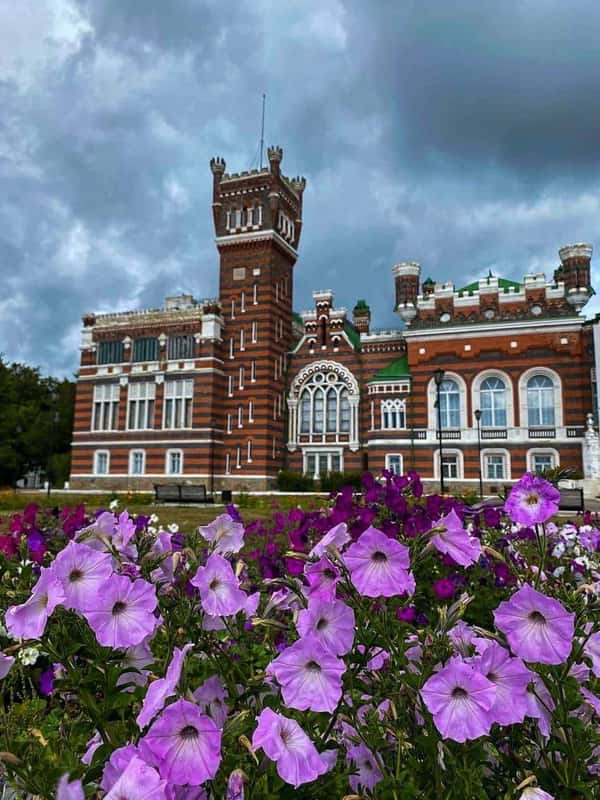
228	392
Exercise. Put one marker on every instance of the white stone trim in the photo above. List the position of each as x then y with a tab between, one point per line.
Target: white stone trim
541	450
255	236
432	397
496	451
512	328
476	395
558	401
101	451
449	451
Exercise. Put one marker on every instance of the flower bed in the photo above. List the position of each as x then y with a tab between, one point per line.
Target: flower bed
391	645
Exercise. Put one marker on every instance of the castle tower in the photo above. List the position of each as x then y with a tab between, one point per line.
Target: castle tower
406	279
575	273
361	316
258	221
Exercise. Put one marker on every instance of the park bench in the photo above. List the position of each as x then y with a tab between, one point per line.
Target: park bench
181	493
570	500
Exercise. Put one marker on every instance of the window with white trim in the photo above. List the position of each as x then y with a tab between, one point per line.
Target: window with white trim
449	404
393	414
393	462
242	340
319	463
174	462
227	463
243	303
492	399
230	385
233	309
106	407
231	353
494	466
238	458
137	462
178	403
111	352
450	465
249	451
101	462
240	417
250	411
254	331
540	401
228	423
324	405
253	371
180	347
542	460
255	294
140	405
241	377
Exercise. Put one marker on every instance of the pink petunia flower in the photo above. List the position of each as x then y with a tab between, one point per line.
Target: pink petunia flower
337	537
592	651
369	773
510	677
220	593
83	571
310	676
224	533
284	742
322	578
137	658
379	565
532	500
6	663
331	623
72	790
117	764
460	700
538	628
28	620
124	612
211	699
184	744
139	781
540	704
535	793
455	541
159	691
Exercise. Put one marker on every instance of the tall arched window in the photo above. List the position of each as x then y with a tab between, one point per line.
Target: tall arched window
449	404
492	397
540	401
324	406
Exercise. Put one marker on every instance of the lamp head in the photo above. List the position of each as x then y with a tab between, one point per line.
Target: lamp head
438	376
477	413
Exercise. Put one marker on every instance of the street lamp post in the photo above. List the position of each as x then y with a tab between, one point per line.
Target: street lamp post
213	425
477	414
438	377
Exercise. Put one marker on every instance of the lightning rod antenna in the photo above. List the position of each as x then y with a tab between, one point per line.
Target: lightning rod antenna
262	131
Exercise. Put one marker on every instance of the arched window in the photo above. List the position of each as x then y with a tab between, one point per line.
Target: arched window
324	406
492	397
449	404
540	401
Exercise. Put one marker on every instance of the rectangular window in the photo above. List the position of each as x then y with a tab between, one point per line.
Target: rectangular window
240	417
228	423
253	370
145	349
174	465
243	303
450	466
227	463
140	405
393	416
233	309
250	411
137	462
255	331
180	347
106	407
249	453
495	467
255	294
238	458
111	352
241	377
101	462
178	403
393	462
242	340
542	462
231	347
230	385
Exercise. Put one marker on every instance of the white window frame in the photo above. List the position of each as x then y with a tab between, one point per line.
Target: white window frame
460	463
168	454
329	452
240	416
254	331
253	371
185	397
144	400
227	463
558	401
241	377
233	309
249	451
255	294
243	302
432	397
242	340
251	411
393	409
238	458
231	346
106	403
546	451
97	455
495	451
230	385
228	423
508	393
388	461
132	456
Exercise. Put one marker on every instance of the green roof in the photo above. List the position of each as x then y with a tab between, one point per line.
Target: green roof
361	305
352	334
298	318
503	283
397	369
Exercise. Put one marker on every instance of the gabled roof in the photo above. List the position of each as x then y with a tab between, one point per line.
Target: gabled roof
352	334
503	283
394	371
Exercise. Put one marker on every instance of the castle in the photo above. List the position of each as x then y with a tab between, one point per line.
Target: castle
484	381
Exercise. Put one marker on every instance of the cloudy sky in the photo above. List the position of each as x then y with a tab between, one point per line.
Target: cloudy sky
463	134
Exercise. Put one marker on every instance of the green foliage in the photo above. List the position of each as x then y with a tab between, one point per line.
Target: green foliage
335	481
294	482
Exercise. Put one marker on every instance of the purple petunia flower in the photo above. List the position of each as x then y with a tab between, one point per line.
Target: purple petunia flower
235	785
184	744
379	565
510	677
117	764
331	623
443	588
159	691
220	593
310	676
460	699
369	773
211	699
337	537
538	628
322	578
532	500
592	651
137	658
28	620
224	533
540	704
69	790
535	793
6	663
83	571
284	742
123	614
455	541
139	781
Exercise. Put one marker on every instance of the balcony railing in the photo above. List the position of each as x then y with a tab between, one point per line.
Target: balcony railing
542	433
494	433
451	434
575	433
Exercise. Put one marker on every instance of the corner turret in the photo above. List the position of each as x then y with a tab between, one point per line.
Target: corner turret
406	279
575	273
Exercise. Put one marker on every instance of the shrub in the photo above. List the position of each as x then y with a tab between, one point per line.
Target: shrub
294	482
